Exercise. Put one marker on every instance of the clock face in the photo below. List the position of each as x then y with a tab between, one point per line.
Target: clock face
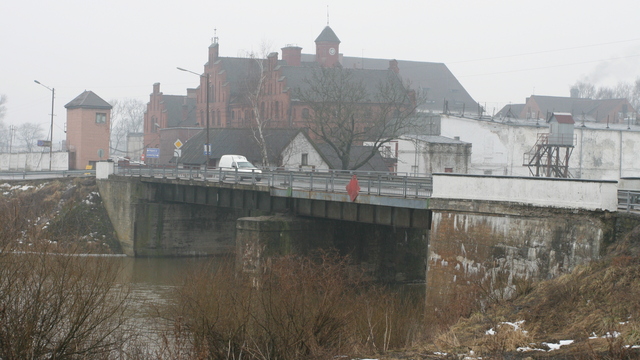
332	51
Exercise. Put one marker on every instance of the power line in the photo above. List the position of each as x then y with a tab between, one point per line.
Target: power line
550	67
543	51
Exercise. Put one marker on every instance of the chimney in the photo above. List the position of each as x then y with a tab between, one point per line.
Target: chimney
156	88
292	55
192	93
393	66
575	93
213	53
272	60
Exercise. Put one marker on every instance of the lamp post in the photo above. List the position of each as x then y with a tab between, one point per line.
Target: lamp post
53	96
208	144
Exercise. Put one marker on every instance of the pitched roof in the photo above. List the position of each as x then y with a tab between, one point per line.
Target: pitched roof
88	100
511	110
562	118
236	141
434	80
592	109
298	77
376	163
327	35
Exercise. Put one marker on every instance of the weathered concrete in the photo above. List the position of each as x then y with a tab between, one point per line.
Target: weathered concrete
384	253
488	248
148	225
538	191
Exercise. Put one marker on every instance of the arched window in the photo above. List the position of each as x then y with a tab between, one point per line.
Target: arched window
219	118
262	110
277	110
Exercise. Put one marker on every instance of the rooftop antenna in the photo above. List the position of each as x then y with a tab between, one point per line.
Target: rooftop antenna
327	15
215	36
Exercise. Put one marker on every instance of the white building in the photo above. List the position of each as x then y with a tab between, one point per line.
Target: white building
428	154
601	152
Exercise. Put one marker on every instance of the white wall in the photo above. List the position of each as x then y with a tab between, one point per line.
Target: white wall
34	161
563	193
292	154
499	147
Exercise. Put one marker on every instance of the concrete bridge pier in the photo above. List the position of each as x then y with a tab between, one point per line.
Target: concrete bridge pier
383	253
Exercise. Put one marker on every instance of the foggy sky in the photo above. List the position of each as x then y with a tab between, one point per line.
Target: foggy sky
501	51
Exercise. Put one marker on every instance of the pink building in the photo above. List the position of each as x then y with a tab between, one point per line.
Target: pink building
88	125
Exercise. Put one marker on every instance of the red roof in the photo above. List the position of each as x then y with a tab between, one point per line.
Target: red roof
563	118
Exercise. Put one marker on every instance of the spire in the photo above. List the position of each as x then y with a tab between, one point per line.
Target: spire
327	35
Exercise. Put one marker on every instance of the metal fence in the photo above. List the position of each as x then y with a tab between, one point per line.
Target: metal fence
629	201
34	175
371	183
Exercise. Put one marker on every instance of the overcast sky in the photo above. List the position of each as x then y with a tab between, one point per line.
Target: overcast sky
501	51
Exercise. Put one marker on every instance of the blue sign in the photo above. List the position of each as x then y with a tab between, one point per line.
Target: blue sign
153	153
207	149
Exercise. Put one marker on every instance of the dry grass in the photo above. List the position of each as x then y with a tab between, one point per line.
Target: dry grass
599	298
299	308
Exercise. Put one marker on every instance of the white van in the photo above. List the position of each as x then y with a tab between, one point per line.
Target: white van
246	170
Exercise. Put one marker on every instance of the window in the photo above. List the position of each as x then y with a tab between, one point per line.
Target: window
305	159
305	113
277	105
448	170
101	118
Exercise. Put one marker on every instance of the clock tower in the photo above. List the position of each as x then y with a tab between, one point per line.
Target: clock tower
328	48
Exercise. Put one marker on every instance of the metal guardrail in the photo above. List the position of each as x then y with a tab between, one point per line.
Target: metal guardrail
629	201
334	181
25	175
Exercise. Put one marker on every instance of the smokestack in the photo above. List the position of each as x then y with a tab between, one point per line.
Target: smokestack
575	93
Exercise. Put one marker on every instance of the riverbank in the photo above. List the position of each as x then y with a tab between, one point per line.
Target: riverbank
66	213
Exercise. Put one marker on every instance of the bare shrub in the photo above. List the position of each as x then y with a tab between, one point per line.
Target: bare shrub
55	306
299	308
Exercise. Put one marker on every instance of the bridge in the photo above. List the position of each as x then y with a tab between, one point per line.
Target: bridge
457	232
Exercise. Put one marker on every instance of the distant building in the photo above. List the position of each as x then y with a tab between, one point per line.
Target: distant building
232	78
612	111
425	155
88	130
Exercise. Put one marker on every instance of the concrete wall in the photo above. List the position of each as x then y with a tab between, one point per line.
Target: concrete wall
545	192
34	161
481	250
498	148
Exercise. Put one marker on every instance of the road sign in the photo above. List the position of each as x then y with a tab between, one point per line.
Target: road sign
177	152
178	144
46	143
153	153
207	149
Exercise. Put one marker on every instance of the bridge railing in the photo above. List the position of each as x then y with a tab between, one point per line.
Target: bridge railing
629	201
370	182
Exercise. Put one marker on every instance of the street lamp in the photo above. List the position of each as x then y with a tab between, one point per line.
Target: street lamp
208	144
53	96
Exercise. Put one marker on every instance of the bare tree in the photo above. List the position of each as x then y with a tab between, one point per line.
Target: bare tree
254	91
4	132
347	109
585	89
622	90
3	105
28	135
127	116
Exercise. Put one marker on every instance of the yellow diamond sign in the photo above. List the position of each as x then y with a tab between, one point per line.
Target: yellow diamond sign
178	144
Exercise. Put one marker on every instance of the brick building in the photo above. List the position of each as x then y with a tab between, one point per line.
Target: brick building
242	87
88	129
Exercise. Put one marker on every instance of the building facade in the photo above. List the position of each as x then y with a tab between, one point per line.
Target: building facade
88	130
